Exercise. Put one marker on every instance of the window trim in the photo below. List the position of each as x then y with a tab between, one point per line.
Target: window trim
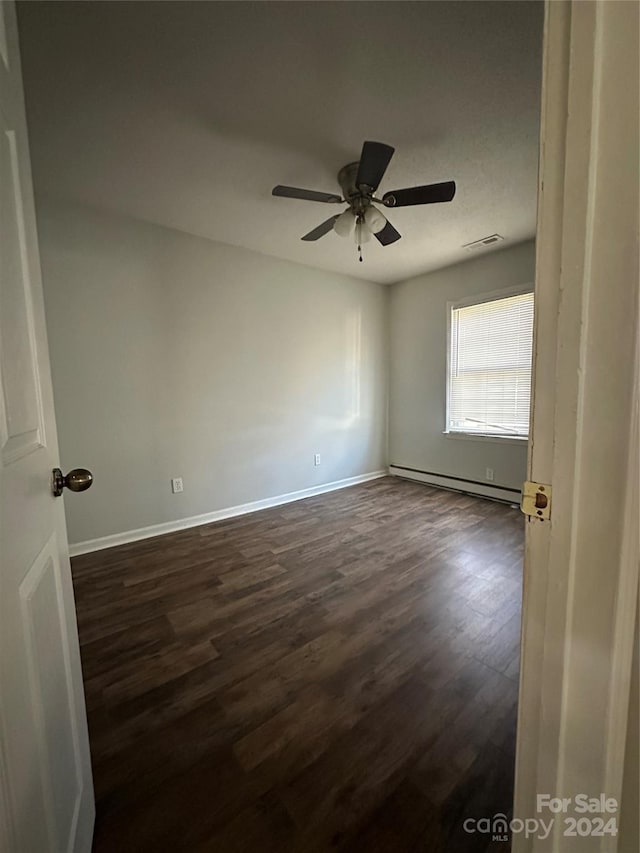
479	299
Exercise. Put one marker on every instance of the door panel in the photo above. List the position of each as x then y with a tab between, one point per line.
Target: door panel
51	695
21	428
46	789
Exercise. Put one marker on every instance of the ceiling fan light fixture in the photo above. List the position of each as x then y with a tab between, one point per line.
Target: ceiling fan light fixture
374	219
343	226
362	233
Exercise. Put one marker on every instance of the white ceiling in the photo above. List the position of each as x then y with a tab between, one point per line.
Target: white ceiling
187	114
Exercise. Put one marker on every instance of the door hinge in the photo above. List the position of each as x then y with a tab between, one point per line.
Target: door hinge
536	500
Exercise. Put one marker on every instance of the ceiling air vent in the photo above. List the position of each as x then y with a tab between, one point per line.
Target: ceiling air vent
481	244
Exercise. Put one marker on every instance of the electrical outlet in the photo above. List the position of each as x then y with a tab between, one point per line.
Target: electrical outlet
176	485
316	458
489	473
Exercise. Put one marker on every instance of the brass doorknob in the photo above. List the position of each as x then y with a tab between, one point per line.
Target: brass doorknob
78	480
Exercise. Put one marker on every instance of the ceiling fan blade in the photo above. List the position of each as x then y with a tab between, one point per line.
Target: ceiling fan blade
388	235
321	229
306	195
420	195
374	159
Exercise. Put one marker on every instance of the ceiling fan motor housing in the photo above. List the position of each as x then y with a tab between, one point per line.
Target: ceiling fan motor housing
357	200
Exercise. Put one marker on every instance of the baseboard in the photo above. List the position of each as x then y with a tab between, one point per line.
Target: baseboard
218	515
457	484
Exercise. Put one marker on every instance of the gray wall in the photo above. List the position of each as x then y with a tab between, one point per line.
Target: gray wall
418	340
177	356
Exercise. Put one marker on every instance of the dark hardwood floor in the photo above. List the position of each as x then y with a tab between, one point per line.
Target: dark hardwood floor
336	674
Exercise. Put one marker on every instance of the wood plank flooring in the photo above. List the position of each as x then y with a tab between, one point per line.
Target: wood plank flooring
337	674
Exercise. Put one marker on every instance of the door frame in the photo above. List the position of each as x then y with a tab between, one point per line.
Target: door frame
581	567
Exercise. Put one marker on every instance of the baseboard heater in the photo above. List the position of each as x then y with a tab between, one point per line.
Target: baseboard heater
458	484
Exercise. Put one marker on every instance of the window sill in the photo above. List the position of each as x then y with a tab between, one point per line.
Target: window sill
498	439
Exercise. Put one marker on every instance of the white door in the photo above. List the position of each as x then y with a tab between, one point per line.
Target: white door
581	567
46	790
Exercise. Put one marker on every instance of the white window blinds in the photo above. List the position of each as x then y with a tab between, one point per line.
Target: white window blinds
490	366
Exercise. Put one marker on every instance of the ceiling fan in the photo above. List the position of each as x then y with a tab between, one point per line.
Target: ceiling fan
359	181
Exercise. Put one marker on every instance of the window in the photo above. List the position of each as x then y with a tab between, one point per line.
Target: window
489	372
